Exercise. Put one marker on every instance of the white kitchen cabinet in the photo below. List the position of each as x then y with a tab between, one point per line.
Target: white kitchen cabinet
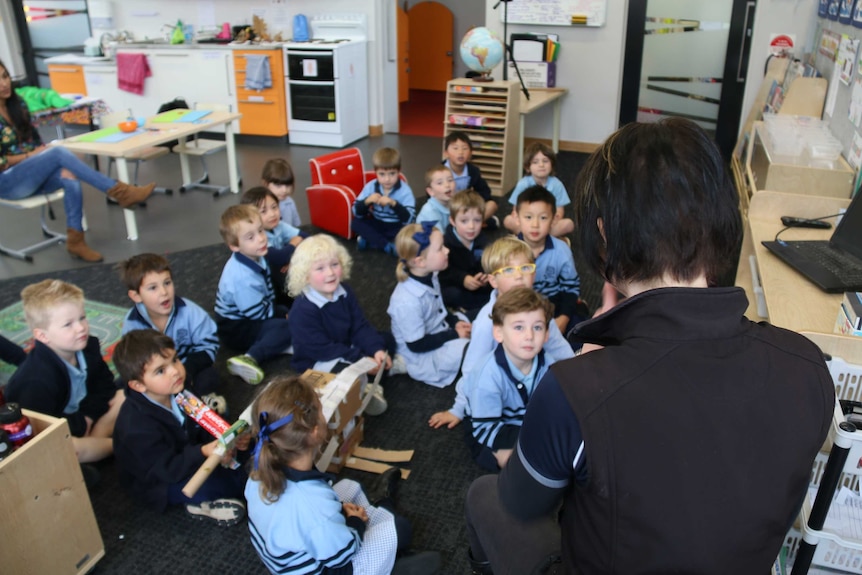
102	83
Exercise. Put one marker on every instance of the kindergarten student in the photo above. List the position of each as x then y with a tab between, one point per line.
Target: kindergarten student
540	163
281	237
384	206
431	340
464	284
157	447
458	150
499	389
556	276
299	521
64	375
277	176
246	314
328	328
150	285
440	187
509	264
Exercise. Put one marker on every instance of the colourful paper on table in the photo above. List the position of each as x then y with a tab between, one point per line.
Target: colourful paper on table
119	137
193	116
97	135
169	116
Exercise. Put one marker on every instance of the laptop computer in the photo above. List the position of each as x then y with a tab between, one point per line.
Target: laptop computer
834	265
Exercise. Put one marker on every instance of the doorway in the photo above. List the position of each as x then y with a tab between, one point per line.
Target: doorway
429	55
688	59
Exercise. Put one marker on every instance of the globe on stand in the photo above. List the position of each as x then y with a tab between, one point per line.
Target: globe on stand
481	51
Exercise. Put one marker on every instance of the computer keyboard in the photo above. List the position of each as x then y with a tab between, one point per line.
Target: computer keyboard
844	266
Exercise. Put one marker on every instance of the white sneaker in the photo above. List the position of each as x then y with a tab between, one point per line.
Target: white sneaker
225	512
246	368
399	365
377	405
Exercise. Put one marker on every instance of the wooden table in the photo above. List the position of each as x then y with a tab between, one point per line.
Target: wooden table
159	133
539	98
792	301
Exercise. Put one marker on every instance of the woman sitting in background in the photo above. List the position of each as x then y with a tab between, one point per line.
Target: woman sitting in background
28	167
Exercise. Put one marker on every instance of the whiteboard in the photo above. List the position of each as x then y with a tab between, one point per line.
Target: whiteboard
555	12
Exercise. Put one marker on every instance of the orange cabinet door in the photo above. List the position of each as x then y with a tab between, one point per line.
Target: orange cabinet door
264	112
67	79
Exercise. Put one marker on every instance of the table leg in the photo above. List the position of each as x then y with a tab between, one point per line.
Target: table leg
556	142
129	215
233	175
184	163
521	144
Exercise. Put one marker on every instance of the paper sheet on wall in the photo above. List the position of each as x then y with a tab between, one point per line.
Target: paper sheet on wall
855	156
846	57
206	14
832	93
854	111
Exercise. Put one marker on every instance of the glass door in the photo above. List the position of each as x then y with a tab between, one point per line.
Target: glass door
688	59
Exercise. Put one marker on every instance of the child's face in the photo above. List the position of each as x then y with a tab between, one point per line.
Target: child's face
535	220
67	330
512	275
269	213
281	191
458	153
325	275
436	255
442	186
164	376
251	239
468	224
156	293
522	335
540	166
387	178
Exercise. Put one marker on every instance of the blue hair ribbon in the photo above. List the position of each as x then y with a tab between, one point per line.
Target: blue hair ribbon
267	429
423	238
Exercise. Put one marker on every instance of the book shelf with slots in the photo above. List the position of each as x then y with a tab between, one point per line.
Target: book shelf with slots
488	112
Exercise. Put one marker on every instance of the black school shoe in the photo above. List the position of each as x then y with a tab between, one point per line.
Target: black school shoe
385	487
418	563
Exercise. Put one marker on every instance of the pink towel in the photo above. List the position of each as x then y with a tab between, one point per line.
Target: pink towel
131	71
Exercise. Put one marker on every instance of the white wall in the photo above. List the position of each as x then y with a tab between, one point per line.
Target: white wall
10	46
589	65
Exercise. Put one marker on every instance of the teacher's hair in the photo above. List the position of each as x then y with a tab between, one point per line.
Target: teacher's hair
666	203
18	113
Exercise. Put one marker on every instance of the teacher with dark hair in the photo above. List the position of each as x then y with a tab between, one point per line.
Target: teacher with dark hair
27	167
683	442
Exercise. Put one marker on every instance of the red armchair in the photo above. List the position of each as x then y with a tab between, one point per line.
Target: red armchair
336	180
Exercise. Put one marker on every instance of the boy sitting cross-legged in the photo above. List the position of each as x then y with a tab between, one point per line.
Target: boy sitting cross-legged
509	265
463	283
150	282
499	389
556	276
246	314
384	206
157	447
65	375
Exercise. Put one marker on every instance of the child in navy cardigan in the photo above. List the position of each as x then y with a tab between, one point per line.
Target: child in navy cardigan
328	329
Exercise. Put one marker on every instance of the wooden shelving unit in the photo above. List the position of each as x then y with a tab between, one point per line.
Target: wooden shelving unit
489	113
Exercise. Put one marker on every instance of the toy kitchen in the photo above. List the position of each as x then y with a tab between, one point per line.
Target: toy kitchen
327	82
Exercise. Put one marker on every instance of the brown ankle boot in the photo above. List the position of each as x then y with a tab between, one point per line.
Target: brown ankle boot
129	196
78	248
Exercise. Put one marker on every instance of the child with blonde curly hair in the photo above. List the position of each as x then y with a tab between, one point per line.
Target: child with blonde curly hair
329	330
431	340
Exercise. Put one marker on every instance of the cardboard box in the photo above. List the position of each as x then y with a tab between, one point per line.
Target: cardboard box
535	74
48	520
347	442
348	405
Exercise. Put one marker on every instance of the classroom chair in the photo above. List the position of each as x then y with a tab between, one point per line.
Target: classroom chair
52	237
336	180
201	147
151	153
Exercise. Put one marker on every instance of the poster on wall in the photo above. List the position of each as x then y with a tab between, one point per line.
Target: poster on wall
846	57
822	8
845	11
832	11
857	15
781	44
829	42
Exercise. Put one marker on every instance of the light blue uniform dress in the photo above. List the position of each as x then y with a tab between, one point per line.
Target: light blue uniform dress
417	310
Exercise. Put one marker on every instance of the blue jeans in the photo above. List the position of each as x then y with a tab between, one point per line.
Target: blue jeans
41	174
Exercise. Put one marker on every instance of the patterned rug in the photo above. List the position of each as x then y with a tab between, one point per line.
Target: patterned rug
105	322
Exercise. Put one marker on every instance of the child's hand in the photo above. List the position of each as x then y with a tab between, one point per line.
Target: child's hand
386	201
463	328
442	418
373	198
227	458
382	358
354	510
285	268
242	442
208	448
475	282
295	240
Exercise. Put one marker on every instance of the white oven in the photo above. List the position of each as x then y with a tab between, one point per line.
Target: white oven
327	83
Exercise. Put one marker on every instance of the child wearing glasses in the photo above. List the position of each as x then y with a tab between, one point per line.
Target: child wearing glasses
509	264
431	340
